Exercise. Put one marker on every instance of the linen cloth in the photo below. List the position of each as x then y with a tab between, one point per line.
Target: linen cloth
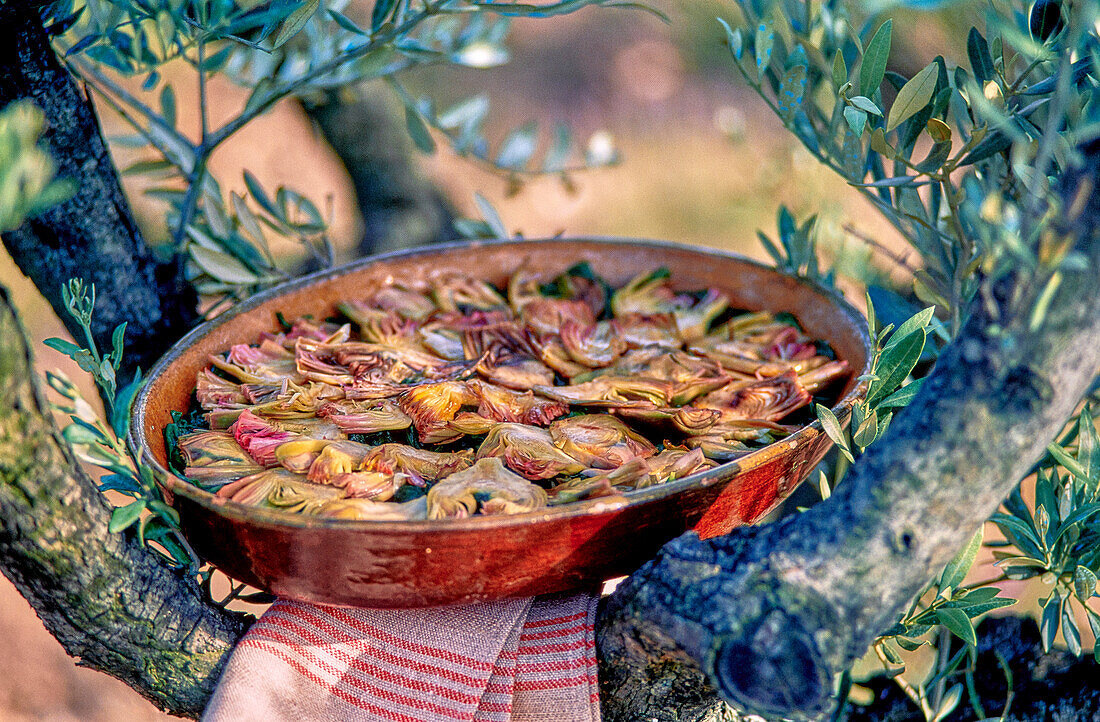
516	660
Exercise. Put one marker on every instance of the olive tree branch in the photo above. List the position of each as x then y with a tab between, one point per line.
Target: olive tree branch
93	234
770	615
109	602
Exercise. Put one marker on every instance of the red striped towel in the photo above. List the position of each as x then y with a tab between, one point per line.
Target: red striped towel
517	660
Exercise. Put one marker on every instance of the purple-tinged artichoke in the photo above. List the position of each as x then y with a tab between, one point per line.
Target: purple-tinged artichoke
487	487
316	362
213	391
433	406
502	404
594	345
453	291
268	363
610	391
365	417
259	437
769	399
599	441
546	316
790	345
401	362
528	450
280	489
299	455
215	457
418	465
518	372
374	510
336	459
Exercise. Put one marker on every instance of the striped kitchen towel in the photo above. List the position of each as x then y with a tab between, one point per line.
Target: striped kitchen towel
516	660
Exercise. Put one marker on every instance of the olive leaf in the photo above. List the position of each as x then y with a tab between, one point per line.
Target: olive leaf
913	96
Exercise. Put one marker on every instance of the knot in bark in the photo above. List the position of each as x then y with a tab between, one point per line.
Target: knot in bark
773	667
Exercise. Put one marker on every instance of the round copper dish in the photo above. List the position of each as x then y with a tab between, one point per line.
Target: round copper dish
422	563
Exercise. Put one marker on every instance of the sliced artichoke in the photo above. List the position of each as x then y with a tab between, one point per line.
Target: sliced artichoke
365	417
374	510
610	391
546	315
433	406
215	457
768	399
259	437
594	345
213	391
299	455
280	489
486	486
502	404
418	464
639	330
336	459
599	441
454	291
528	450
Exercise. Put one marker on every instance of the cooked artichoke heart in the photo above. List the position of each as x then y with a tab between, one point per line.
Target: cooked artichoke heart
486	484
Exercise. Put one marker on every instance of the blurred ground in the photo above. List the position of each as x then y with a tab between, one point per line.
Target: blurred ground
704	163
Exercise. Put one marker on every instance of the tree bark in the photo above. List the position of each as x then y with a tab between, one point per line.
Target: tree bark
769	615
109	602
399	207
92	235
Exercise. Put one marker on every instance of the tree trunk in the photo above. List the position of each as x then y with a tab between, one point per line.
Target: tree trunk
771	614
109	602
92	235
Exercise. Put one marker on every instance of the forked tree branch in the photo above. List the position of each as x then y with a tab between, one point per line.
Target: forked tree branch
109	602
769	615
93	234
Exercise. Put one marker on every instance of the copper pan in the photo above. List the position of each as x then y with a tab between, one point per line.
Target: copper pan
422	563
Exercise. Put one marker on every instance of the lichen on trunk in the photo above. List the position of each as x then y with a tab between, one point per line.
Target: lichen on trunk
109	602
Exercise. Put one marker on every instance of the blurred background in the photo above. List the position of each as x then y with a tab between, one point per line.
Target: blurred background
703	162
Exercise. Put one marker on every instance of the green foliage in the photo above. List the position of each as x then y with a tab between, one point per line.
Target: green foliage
996	132
288	49
896	354
106	444
996	129
27	183
796	251
1057	540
